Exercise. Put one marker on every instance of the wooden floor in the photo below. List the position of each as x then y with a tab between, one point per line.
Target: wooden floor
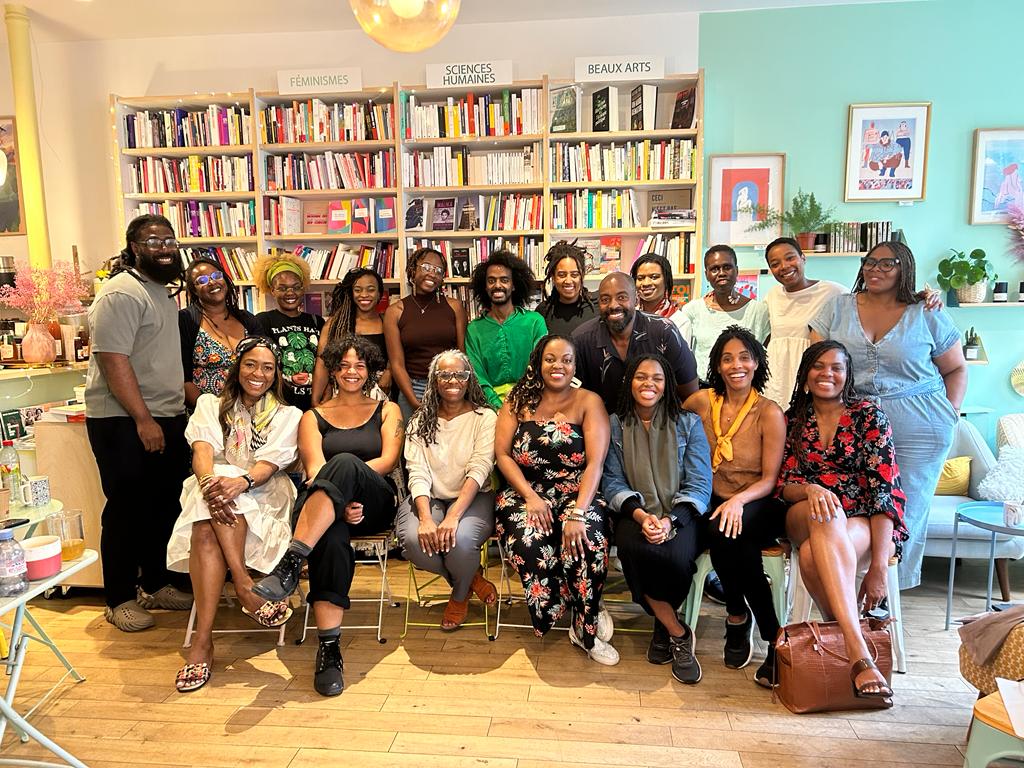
451	700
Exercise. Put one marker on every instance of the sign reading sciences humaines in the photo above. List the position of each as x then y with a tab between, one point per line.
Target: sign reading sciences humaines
611	68
325	80
458	74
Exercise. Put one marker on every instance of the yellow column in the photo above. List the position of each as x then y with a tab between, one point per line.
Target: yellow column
30	167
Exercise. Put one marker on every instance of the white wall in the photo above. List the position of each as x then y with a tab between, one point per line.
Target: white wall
74	80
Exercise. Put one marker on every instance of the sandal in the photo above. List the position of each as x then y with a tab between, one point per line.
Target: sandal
271	614
454	614
863	665
192	677
483	589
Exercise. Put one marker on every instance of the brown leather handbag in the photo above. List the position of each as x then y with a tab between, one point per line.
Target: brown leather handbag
814	671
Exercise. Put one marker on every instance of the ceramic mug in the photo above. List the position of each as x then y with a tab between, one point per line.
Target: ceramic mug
35	491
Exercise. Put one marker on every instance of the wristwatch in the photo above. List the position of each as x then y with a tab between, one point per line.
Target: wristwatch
248	478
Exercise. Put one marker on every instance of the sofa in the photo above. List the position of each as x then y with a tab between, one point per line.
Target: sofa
972	543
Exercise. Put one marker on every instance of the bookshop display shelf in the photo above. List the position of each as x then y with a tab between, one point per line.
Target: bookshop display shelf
989	305
25	372
838	254
393	101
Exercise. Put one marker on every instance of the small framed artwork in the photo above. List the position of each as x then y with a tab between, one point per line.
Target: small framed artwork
998	169
742	187
887	151
11	210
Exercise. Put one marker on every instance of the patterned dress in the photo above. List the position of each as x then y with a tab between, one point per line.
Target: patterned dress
859	466
552	459
211	361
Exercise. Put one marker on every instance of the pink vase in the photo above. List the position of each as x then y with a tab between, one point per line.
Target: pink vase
37	345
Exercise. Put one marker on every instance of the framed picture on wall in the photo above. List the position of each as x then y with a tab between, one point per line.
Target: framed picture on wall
11	210
998	170
887	151
742	187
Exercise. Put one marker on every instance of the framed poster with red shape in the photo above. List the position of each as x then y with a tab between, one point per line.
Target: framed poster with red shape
743	187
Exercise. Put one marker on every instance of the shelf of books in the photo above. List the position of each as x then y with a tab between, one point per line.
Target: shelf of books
364	178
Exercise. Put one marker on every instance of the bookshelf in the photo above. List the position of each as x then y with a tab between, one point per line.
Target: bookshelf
279	151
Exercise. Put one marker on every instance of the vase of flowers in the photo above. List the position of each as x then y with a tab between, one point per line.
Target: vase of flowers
42	295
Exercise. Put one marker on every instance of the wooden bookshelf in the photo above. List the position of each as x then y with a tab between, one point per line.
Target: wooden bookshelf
332	194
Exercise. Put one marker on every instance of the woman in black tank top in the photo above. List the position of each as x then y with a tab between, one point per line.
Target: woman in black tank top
348	446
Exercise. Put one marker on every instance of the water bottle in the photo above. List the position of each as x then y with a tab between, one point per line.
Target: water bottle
13	571
10	471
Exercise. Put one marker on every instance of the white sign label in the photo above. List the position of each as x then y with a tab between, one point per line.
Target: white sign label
319	80
591	69
469	73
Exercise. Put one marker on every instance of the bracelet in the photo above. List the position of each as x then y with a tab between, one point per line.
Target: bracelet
204	479
573	517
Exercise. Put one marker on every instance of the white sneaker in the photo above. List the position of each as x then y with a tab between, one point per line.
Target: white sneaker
602	652
605	625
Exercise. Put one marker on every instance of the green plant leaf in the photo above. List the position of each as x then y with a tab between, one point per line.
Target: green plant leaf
957	281
945	268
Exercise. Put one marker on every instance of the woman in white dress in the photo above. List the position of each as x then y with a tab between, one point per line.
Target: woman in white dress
792	304
236	506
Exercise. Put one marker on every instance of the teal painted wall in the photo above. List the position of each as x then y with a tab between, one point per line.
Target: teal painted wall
782	81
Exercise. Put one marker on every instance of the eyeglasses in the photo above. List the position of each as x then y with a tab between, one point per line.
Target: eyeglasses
431	269
251	342
283	289
449	376
882	265
155	243
204	279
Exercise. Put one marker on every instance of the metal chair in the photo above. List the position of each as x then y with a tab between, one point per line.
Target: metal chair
505	596
424	600
226	599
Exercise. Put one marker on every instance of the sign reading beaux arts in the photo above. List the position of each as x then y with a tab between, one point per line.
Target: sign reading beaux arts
606	69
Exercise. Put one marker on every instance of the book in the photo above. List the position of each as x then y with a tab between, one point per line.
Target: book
414	218
13	427
314	217
468	219
611	254
361	215
384	215
460	262
339	217
565	109
605	104
290	211
682	112
643	105
444	214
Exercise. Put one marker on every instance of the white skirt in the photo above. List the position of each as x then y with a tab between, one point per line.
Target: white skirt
267	511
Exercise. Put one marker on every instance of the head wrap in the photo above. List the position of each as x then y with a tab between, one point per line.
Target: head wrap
279	267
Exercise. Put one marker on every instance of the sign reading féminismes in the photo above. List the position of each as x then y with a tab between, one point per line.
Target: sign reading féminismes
469	73
611	68
320	80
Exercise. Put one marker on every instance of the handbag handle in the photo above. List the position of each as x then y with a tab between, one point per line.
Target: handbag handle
816	631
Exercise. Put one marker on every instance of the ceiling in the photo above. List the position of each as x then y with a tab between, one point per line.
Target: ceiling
71	20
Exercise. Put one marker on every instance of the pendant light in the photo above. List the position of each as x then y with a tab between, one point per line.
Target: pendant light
406	26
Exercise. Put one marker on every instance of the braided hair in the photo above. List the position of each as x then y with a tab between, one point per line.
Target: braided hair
802	401
342	320
528	391
908	271
423	423
231	291
754	347
668	406
557	252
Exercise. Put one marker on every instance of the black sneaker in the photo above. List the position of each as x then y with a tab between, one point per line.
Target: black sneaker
281	581
738	648
713	590
327	680
765	675
658	652
685	667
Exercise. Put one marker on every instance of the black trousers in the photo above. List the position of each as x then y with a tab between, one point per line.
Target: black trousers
660	571
143	491
345	478
738	561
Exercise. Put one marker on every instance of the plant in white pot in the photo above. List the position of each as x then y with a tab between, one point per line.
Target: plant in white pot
967	274
972	344
805	218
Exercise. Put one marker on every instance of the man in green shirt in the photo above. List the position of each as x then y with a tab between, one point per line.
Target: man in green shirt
499	342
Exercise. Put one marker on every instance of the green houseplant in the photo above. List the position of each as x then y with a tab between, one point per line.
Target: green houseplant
804	219
972	344
967	274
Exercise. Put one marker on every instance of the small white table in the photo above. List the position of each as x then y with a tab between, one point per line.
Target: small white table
36	516
15	661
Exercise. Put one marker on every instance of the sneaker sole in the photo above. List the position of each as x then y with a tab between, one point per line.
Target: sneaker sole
700	675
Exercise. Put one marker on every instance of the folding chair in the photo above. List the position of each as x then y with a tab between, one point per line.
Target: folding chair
505	595
226	599
428	600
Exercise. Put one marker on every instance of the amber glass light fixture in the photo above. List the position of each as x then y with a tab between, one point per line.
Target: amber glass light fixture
406	25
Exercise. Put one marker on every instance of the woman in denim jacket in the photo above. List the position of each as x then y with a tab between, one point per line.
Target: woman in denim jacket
657	483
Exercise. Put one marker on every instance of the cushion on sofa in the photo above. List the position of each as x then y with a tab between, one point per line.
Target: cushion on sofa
955	478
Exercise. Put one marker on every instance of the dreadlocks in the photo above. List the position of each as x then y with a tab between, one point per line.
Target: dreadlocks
802	401
565	250
126	258
230	291
527	392
423	423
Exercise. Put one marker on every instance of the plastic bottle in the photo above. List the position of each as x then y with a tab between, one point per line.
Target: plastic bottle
10	471
13	571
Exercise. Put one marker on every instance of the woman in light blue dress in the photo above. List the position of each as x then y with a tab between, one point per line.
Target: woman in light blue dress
912	362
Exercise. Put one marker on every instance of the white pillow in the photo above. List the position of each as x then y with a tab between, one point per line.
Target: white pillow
1005	482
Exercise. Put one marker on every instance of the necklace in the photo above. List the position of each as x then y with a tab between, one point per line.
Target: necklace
222	336
422	307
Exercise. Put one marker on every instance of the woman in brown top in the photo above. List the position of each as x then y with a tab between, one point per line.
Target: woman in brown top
423	324
746	433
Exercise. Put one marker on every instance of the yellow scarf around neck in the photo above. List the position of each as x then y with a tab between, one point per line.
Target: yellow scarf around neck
723	443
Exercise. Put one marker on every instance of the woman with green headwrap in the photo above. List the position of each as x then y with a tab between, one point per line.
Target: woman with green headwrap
284	277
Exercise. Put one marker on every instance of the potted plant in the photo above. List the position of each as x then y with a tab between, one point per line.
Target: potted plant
972	344
42	295
967	274
805	218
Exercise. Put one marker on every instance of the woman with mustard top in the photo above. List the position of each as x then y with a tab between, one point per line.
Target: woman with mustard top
746	433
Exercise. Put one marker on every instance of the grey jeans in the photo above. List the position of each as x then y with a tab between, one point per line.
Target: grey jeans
458	566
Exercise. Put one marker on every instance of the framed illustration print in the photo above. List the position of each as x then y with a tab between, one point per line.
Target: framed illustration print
742	187
887	151
11	210
998	169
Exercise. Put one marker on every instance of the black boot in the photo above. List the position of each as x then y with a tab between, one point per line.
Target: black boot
283	580
327	679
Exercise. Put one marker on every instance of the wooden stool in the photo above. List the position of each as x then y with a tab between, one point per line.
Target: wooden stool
992	735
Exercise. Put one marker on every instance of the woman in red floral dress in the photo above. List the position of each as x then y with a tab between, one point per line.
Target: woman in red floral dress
840	476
